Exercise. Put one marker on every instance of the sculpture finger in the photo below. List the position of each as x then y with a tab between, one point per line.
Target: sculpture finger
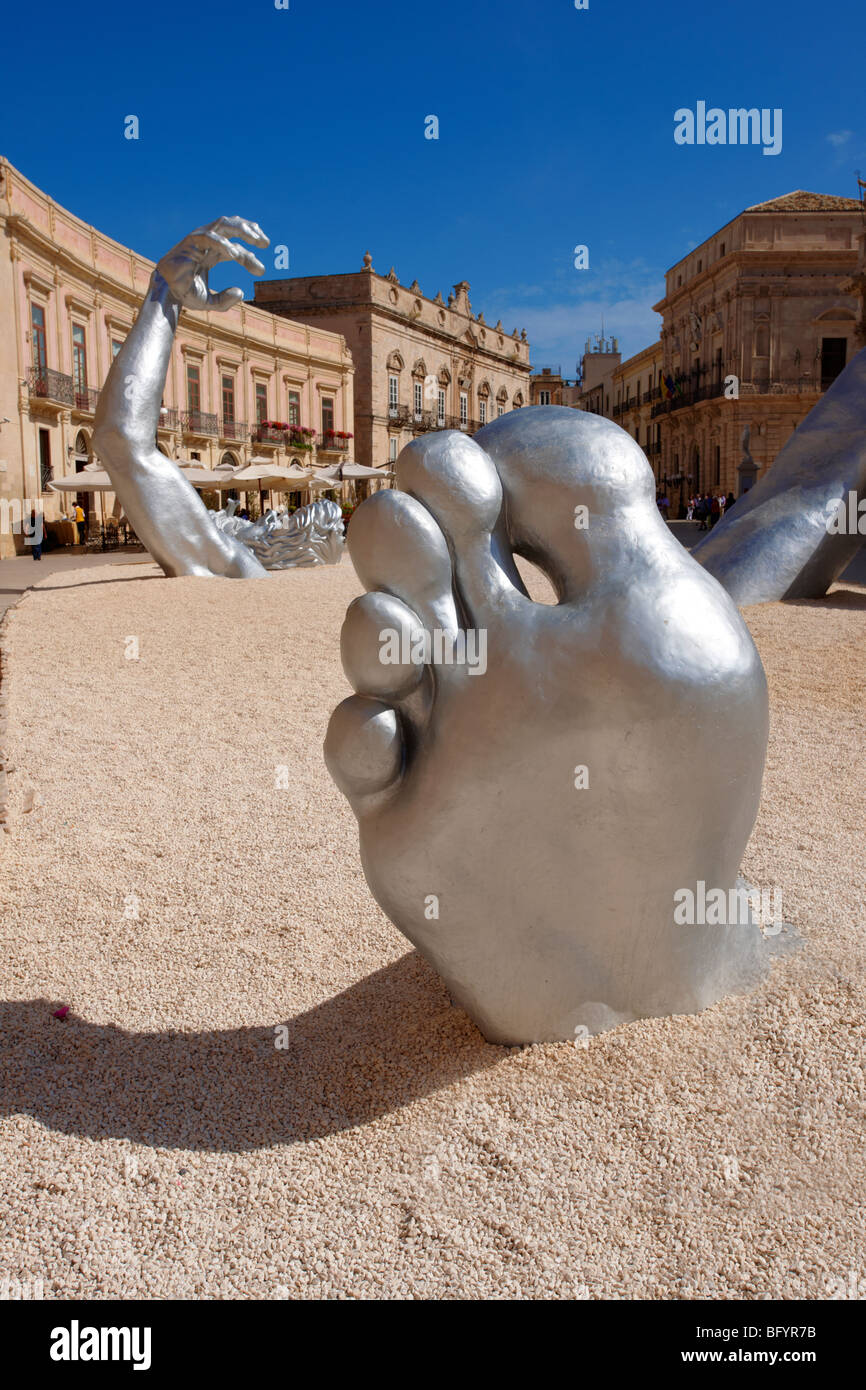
218	248
240	227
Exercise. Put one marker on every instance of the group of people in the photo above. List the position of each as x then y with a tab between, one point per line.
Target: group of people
709	509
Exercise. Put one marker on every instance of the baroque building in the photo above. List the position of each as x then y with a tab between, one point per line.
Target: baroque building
243	386
420	364
757	322
636	387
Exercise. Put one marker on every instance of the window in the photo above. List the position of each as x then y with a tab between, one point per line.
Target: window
294	407
261	402
418	397
228	396
327	415
193	389
717	465
440	408
393	392
482	412
544	398
37	339
722	249
392	450
464	408
700	266
46	472
116	345
500	410
79	365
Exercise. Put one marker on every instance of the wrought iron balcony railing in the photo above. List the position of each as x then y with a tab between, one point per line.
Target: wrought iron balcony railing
85	401
398	414
233	429
333	443
199	422
169	418
49	385
453	422
424	420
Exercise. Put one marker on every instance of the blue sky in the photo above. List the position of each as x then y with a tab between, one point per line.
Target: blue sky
555	129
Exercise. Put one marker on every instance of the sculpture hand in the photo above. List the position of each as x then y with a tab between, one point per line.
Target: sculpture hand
545	895
185	267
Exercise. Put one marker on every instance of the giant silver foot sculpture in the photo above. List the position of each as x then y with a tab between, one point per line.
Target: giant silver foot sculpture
528	825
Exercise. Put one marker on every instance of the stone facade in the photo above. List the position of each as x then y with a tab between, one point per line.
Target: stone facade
68	297
420	364
759	311
634	390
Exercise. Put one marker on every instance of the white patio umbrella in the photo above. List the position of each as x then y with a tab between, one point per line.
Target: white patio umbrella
90	479
270	476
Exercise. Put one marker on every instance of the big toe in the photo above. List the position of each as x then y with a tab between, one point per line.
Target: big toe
457	482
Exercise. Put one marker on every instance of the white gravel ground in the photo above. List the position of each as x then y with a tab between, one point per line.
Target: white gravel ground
157	1143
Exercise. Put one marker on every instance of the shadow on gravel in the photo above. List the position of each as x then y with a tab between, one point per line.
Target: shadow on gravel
840	598
392	1038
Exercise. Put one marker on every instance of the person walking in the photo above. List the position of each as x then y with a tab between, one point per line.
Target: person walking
715	511
37	532
79	519
690	509
729	502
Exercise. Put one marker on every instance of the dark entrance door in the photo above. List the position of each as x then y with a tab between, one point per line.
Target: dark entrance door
833	354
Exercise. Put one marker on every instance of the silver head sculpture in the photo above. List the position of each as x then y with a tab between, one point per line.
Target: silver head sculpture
313	535
534	783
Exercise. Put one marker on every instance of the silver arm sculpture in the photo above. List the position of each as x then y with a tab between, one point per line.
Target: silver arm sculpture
776	543
164	509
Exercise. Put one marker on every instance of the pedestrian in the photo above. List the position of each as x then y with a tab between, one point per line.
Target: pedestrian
729	502
36	531
690	509
79	518
702	512
715	511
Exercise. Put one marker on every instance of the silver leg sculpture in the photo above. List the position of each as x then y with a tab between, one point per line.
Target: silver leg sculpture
534	791
776	542
164	509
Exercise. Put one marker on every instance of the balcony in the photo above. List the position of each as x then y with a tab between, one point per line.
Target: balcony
169	418
424	420
234	430
399	415
199	423
453	422
52	386
690	394
84	402
652	395
334	442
